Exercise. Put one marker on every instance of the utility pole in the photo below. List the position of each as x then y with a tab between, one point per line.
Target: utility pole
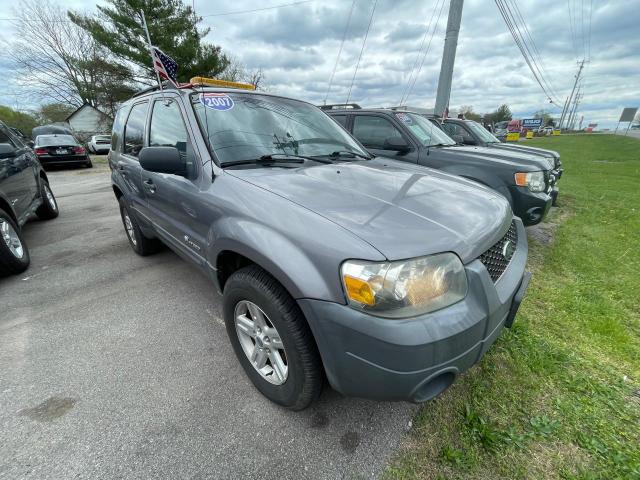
574	110
448	56
568	103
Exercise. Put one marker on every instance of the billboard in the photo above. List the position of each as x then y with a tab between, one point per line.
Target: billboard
531	123
628	114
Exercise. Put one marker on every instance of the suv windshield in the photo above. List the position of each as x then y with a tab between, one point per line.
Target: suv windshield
426	132
244	126
485	135
55	140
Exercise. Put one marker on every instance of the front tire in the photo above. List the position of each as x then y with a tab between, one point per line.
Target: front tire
272	339
142	245
49	208
14	254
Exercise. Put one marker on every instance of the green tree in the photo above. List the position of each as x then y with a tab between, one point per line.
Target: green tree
469	114
21	120
172	26
53	113
547	119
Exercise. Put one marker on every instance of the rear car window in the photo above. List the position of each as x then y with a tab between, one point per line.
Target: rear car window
55	140
341	119
134	129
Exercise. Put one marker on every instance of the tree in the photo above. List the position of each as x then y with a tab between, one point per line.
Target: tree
501	114
20	120
236	71
547	119
53	113
172	27
469	114
58	61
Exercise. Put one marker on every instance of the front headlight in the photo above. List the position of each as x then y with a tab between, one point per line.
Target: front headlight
404	288
533	180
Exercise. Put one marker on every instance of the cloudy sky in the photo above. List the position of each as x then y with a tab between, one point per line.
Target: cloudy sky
297	45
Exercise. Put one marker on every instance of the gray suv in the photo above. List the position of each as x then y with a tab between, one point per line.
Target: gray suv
385	278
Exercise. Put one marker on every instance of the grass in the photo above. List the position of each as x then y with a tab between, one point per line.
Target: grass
558	396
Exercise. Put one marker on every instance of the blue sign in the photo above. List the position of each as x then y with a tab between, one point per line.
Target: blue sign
530	123
216	101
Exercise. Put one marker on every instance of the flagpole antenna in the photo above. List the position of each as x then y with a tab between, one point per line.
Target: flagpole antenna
146	31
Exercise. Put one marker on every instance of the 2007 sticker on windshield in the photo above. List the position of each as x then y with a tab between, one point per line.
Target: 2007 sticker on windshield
216	101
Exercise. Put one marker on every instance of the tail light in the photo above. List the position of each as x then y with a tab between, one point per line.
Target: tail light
78	150
41	151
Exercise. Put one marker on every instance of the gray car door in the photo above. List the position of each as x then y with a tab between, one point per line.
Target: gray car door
174	201
375	133
127	159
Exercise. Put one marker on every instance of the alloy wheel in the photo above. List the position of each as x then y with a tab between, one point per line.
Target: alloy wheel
261	342
10	237
129	228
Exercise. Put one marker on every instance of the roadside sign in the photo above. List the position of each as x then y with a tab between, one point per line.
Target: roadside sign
531	123
628	114
556	132
513	136
530	134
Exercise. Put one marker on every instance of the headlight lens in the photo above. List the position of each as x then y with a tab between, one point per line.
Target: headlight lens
404	288
533	180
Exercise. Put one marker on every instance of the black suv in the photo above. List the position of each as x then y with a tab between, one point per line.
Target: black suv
525	180
24	191
469	132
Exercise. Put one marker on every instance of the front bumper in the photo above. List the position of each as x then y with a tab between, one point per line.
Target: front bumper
529	206
416	359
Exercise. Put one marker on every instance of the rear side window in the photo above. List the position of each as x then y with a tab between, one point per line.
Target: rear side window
5	138
118	125
341	119
167	129
373	131
134	129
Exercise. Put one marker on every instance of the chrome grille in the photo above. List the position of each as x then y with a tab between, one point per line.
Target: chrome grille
494	259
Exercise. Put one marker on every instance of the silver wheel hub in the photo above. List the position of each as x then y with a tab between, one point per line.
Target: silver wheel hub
261	342
10	237
129	228
50	198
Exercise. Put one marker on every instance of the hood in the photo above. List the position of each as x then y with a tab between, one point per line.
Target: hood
506	156
401	210
543	152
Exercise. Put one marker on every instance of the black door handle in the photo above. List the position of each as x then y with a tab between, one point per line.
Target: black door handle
150	186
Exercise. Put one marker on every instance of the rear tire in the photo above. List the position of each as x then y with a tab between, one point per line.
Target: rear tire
49	208
142	245
282	320
14	254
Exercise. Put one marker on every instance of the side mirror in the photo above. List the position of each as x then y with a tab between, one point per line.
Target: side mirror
396	143
7	150
162	160
469	141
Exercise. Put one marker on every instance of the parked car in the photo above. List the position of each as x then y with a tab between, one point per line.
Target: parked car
388	278
99	144
24	192
524	180
469	132
61	150
50	130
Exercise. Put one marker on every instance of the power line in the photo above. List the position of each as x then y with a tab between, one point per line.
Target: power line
507	16
415	63
364	42
424	56
344	36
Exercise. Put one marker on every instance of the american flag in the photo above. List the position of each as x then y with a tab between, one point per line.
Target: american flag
166	66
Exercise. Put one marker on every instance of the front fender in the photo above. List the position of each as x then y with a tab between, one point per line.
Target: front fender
480	176
271	250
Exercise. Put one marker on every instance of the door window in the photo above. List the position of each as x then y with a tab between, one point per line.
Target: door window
134	130
341	119
373	131
456	129
168	130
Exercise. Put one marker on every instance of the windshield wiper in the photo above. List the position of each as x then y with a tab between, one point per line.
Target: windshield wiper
348	153
272	158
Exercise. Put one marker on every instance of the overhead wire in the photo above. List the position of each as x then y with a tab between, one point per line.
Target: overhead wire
424	56
364	42
344	36
419	54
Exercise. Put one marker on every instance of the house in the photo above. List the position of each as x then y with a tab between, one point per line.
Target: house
87	121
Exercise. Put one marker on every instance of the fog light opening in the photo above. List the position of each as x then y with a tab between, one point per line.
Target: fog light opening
434	387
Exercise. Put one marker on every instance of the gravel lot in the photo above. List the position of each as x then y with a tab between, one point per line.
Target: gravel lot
114	365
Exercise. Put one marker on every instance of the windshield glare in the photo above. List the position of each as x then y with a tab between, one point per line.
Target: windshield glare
242	126
426	132
484	134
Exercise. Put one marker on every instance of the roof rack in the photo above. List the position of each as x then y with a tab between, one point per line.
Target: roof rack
340	106
165	86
